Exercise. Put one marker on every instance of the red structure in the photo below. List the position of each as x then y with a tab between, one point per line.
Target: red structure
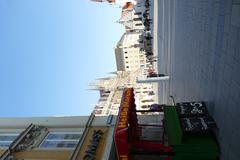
128	132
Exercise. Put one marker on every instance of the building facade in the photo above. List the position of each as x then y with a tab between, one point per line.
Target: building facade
111	90
129	54
132	17
61	138
131	59
57	138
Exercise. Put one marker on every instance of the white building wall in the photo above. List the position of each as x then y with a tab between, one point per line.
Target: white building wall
134	19
134	61
108	104
137	19
133	57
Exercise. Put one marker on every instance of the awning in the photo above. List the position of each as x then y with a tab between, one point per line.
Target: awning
126	117
127	130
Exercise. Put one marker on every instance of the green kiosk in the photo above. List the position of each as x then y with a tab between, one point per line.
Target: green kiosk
189	131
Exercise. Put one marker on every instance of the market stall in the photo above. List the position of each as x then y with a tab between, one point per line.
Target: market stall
187	133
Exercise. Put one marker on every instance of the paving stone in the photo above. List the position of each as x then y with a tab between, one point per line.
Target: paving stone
235	16
207	63
235	1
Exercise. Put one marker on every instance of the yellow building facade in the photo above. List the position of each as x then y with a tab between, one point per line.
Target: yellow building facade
57	138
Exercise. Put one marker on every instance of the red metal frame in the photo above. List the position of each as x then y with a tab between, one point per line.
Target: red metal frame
127	131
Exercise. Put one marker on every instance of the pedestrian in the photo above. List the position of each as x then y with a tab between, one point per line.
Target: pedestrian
156	75
156	107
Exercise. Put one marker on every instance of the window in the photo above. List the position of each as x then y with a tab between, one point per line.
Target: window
107	92
147	100
6	139
137	19
145	106
138	13
61	140
98	111
152	133
103	99
104	95
138	24
98	107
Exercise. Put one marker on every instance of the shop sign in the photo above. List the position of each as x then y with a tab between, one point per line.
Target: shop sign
123	116
92	147
122	125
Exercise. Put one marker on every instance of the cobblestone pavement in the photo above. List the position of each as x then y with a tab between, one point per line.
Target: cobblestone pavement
199	47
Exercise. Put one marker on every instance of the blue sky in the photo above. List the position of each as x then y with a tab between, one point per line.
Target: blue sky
50	50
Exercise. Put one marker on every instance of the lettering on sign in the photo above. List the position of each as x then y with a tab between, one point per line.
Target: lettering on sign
124	110
92	148
123	157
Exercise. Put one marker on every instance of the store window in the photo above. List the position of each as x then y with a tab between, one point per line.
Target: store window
6	139
152	133
61	140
